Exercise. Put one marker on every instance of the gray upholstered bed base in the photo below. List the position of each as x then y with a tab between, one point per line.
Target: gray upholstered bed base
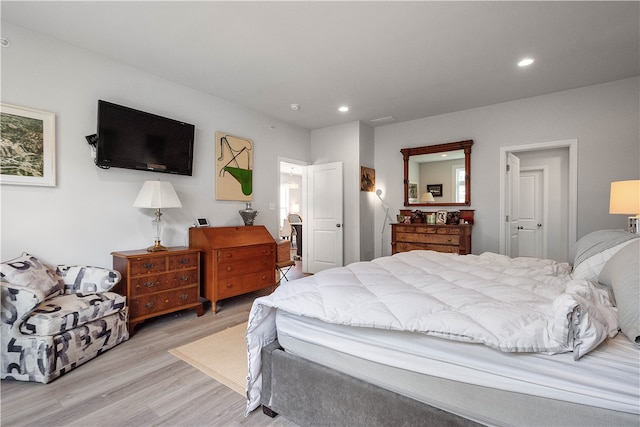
310	394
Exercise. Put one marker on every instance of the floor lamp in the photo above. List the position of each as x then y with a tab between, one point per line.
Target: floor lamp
386	216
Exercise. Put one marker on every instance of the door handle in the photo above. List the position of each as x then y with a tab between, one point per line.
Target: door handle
539	225
521	228
338	225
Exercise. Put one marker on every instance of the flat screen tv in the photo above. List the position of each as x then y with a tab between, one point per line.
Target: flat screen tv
133	139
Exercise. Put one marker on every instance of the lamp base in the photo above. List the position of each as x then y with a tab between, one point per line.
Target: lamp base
157	247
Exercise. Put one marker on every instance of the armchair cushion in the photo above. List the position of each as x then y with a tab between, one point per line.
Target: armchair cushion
86	279
66	312
27	271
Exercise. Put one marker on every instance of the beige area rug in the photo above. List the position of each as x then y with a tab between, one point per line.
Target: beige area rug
222	356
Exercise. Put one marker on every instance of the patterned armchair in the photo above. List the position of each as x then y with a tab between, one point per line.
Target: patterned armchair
54	322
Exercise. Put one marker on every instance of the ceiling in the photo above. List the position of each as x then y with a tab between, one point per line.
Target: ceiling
386	58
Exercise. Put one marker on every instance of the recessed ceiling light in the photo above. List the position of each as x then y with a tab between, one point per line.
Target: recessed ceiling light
525	62
343	109
295	107
5	42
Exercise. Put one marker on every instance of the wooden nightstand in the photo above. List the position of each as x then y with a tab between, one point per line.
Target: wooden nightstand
157	283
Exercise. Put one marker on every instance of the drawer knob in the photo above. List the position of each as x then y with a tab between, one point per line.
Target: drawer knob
229	286
149	284
183	278
149	265
229	268
229	255
149	304
183	261
184	297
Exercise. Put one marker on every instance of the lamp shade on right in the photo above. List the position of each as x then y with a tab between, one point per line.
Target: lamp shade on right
625	197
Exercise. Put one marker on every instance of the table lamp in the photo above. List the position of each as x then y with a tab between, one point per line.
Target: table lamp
625	199
427	197
156	195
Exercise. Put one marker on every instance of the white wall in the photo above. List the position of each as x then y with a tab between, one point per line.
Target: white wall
605	119
89	213
368	200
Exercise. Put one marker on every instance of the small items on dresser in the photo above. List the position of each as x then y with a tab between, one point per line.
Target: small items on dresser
444	231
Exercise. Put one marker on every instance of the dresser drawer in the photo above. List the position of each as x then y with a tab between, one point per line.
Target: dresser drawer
247	252
237	285
441	239
148	265
159	282
406	246
163	301
183	261
243	266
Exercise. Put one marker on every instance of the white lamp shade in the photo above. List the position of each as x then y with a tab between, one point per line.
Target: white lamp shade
625	197
157	194
427	197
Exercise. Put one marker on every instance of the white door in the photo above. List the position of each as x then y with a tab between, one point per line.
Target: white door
512	205
322	230
531	208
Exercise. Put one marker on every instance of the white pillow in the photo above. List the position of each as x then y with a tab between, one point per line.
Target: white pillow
590	268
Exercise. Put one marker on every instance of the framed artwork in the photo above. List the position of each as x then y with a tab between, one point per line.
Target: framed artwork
441	217
413	191
234	168
367	179
435	189
28	146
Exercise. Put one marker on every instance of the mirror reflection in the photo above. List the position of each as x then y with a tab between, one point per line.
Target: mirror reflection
438	175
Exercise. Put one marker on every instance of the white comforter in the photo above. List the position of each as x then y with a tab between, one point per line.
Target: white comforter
514	305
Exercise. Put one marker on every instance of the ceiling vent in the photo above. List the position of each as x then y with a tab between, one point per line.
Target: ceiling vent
383	120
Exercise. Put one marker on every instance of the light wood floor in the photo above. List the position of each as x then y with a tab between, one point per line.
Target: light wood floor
138	383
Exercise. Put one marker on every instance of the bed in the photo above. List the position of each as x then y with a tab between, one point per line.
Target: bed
425	338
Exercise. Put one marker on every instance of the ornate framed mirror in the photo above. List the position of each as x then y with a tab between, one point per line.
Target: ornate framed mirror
438	175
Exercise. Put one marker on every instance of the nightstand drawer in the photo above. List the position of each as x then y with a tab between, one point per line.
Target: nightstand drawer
177	262
163	301
148	265
160	282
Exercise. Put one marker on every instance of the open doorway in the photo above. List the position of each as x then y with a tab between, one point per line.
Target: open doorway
290	204
553	227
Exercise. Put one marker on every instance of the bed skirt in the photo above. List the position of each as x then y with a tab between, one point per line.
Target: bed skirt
310	394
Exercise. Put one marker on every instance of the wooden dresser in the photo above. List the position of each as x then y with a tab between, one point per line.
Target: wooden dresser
158	283
235	260
441	238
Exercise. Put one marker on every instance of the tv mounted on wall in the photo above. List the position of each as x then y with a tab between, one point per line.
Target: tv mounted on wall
134	139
